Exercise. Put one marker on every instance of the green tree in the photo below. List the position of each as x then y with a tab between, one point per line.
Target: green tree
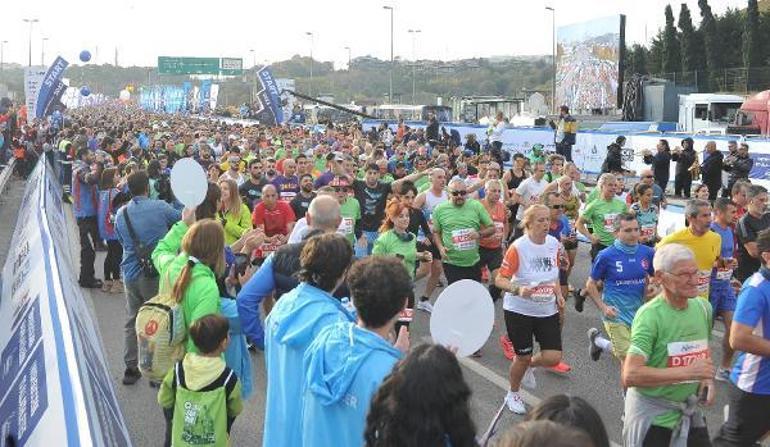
712	43
636	60
655	54
693	56
752	54
672	59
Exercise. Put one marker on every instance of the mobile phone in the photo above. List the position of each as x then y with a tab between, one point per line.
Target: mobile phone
404	318
240	264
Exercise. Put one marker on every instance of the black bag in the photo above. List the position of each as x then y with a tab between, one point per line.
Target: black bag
143	252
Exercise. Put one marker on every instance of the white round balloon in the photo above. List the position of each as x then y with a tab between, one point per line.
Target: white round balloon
188	182
463	317
125	95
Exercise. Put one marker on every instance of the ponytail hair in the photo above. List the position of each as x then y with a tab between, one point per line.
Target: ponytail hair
204	243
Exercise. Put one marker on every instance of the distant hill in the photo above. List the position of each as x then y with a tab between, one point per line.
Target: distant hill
367	81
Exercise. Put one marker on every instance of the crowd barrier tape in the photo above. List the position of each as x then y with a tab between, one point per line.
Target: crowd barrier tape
55	385
590	148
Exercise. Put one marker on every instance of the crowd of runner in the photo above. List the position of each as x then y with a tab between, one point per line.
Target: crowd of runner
310	241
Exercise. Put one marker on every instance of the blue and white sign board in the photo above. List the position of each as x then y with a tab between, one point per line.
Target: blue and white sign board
55	387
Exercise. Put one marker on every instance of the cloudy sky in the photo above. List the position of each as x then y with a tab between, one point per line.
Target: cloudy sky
141	30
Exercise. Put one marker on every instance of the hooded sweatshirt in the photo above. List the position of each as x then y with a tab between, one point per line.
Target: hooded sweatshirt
344	367
291	327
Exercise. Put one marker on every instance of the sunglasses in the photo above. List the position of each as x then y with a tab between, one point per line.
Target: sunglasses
459	193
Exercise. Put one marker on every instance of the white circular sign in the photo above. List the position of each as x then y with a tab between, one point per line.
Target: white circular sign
188	182
463	317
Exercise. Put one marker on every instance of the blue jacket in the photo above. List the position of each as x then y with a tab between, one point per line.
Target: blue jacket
237	355
250	297
106	214
292	325
344	367
84	191
151	220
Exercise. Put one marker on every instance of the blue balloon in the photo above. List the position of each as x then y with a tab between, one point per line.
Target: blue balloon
85	91
85	56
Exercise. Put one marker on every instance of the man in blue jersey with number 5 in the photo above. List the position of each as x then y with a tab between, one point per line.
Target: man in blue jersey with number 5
624	268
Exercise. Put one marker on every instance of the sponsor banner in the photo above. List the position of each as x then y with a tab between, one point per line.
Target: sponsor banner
268	104
56	97
33	77
55	387
50	82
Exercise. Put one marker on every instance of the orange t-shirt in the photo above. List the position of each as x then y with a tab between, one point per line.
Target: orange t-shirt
497	213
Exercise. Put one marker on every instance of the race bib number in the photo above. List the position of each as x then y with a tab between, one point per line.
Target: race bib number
683	353
499	230
724	274
543	293
648	231
268	248
609	222
704	277
462	240
572	227
347	226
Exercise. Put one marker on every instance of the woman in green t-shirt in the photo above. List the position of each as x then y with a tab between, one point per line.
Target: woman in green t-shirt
395	240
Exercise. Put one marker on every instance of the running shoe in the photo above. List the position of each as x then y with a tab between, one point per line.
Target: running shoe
560	368
425	306
507	346
593	350
723	374
529	380
580	299
514	403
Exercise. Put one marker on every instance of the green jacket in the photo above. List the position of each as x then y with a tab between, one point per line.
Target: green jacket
202	294
236	226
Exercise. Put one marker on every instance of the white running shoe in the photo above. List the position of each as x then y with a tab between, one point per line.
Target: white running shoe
529	381
722	375
425	306
594	351
514	403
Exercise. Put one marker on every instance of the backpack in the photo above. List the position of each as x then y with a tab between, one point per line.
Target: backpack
161	334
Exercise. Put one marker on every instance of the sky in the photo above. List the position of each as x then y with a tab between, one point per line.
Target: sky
142	30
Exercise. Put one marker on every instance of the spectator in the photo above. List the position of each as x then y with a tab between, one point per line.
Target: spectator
85	181
544	433
661	163
684	158
295	321
739	166
566	133
348	361
233	214
108	192
711	170
423	402
139	225
575	412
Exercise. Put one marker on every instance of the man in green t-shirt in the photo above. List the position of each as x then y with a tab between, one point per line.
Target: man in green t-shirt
668	365
600	214
458	224
350	210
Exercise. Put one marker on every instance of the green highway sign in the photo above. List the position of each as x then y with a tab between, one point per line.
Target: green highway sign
199	66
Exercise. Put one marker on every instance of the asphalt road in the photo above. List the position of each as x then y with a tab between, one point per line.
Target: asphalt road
597	382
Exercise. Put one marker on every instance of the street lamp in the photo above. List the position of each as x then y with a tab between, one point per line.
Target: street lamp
253	57
390	89
42	51
414	33
553	82
349	58
308	33
2	51
31	23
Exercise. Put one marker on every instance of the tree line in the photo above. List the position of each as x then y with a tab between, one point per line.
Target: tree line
703	55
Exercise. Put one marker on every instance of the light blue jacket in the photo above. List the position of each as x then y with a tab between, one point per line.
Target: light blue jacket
344	367
237	355
292	325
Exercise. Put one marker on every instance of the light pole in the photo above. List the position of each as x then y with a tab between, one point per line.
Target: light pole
254	64
308	33
42	51
390	89
31	23
253	57
553	82
414	33
349	58
2	51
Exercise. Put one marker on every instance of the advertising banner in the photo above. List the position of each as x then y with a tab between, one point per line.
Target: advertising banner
33	77
268	103
55	387
50	81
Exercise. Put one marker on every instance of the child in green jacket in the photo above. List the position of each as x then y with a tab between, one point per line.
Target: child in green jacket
201	396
